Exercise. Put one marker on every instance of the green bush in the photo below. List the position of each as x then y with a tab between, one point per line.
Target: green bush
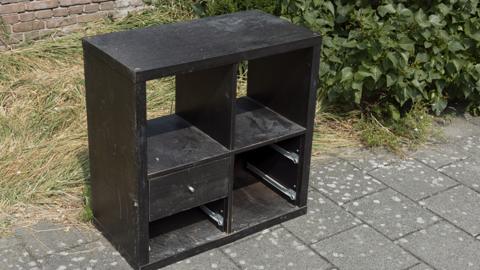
385	56
217	7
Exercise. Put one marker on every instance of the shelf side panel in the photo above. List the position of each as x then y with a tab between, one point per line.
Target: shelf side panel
116	134
206	99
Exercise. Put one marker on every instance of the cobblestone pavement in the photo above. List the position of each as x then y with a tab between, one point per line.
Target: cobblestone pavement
368	210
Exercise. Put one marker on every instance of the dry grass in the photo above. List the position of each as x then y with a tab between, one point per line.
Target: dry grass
43	141
333	132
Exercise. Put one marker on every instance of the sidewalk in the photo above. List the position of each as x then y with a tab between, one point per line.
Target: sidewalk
367	211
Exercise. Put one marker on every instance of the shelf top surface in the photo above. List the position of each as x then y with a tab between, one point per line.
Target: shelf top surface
163	50
174	143
256	125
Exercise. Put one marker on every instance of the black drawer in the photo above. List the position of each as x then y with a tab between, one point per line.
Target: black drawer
192	187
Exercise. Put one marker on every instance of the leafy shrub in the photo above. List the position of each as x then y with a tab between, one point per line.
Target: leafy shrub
385	56
217	7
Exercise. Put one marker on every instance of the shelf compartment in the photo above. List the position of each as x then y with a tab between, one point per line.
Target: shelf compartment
257	125
179	233
191	232
192	187
290	193
256	203
173	143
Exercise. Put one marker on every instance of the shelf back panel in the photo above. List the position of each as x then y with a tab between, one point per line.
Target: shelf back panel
206	99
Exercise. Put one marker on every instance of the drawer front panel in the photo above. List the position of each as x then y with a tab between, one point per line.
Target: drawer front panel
173	193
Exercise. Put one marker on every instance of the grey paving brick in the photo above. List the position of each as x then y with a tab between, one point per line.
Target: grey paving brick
444	247
391	213
471	145
459	128
440	155
475	120
460	206
362	248
323	219
277	249
96	255
45	238
342	182
413	179
466	172
209	260
368	160
17	257
421	266
9	241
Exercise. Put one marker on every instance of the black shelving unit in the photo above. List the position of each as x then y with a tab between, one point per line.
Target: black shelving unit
220	167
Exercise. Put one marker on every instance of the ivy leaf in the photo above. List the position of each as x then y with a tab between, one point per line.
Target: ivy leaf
405	12
358	94
455	46
386	9
377	73
391	80
472	32
393	59
347	74
394	113
435	20
357	85
439	105
444	9
407	44
329	6
421	19
421	58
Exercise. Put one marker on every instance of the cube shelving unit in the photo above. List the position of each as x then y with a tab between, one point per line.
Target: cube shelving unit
219	168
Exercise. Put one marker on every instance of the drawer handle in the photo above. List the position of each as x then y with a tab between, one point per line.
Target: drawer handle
191	189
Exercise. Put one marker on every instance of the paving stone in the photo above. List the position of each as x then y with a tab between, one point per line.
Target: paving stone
362	248
45	238
7	242
444	247
17	257
421	266
475	120
471	145
276	249
342	182
96	255
467	172
209	260
459	128
459	205
368	160
439	156
391	213
323	219
413	179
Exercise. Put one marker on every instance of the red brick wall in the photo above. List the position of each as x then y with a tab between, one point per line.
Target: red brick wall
25	20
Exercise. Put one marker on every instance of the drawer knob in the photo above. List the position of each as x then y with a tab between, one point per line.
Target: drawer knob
191	189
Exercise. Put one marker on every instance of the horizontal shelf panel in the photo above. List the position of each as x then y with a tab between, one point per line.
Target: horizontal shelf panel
162	50
200	235
173	143
181	232
256	203
256	125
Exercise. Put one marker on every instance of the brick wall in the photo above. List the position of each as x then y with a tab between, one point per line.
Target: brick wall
25	20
